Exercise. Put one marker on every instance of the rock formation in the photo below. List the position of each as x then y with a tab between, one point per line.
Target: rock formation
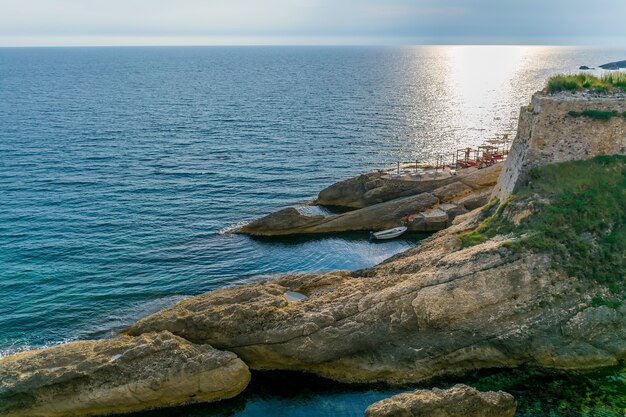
504	299
614	65
374	188
438	309
458	401
547	133
421	211
124	374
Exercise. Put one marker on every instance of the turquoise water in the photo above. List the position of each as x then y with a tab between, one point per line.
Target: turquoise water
122	169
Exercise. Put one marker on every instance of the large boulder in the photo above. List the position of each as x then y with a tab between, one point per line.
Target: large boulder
374	188
283	220
120	375
458	401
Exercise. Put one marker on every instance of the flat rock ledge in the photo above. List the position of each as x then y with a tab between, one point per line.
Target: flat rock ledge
120	375
420	205
458	401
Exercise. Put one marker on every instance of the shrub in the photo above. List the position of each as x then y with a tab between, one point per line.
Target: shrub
594	114
576	82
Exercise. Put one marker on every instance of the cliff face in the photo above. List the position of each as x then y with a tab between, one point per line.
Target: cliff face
547	133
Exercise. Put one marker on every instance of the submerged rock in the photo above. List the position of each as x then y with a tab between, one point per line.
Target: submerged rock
120	375
458	401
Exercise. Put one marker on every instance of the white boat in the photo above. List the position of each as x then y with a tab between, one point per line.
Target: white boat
389	233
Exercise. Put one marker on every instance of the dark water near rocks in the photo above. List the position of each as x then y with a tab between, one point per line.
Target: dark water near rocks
122	169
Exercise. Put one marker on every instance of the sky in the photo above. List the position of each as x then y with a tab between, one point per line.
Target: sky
301	22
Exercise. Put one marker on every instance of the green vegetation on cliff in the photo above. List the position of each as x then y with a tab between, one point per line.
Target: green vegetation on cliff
610	82
597	114
574	210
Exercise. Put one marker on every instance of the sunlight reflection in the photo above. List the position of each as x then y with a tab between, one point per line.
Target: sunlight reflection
479	75
470	96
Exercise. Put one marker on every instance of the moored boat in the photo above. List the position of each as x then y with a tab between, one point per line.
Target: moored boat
389	233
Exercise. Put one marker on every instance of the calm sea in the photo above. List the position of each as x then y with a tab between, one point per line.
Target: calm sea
122	169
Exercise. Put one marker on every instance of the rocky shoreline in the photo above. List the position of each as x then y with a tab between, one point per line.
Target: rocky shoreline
462	300
378	202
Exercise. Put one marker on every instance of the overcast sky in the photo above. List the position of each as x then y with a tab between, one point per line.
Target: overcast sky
134	22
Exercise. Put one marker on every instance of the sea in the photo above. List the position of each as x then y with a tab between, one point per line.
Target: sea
123	171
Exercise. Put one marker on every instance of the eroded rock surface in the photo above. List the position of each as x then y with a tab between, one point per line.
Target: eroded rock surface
458	401
376	217
374	188
120	375
464	191
433	310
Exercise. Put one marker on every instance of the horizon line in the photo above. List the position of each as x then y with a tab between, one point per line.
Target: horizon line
339	45
164	41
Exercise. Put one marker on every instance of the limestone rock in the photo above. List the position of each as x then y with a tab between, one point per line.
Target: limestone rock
382	203
285	219
429	220
481	178
458	401
451	191
376	217
374	188
452	210
369	189
120	375
475	200
433	310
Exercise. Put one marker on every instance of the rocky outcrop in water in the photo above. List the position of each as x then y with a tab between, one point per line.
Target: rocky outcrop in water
458	401
120	375
614	65
443	308
424	211
374	188
438	309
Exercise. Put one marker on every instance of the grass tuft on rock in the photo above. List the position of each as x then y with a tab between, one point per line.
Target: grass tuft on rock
615	81
575	210
594	114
